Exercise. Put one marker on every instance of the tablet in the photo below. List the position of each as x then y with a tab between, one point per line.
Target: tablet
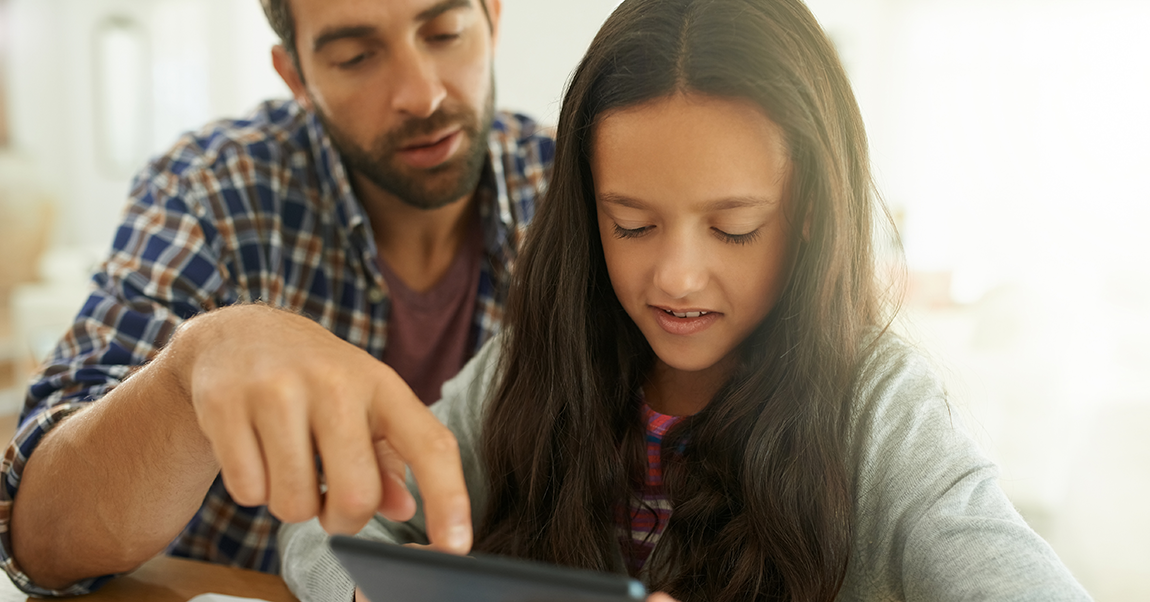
392	573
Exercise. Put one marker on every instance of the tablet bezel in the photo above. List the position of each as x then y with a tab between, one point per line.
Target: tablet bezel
392	573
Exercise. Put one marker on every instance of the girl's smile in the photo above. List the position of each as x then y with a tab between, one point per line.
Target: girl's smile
685	322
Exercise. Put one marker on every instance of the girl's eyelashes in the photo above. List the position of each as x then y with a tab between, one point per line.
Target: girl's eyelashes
621	232
738	239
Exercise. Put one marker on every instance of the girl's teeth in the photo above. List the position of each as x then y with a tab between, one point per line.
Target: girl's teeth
690	314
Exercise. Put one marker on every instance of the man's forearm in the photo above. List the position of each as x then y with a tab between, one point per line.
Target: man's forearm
112	485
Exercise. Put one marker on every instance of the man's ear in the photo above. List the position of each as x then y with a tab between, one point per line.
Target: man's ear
286	67
494	10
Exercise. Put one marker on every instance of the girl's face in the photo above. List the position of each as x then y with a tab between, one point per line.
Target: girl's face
690	192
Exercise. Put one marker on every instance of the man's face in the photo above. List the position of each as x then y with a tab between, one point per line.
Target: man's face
404	88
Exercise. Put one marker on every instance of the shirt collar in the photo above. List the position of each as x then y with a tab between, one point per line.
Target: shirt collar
334	182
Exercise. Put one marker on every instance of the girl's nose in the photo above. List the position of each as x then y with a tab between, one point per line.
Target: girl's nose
681	270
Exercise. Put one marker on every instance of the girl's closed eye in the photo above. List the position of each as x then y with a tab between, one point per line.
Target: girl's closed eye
621	232
738	239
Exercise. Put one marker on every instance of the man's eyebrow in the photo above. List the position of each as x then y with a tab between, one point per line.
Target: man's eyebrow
340	33
364	31
442	7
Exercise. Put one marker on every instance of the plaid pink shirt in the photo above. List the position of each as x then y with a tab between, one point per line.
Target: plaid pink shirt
650	508
259	209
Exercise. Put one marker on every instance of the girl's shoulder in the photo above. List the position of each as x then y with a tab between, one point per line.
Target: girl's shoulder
895	380
900	411
930	521
463	396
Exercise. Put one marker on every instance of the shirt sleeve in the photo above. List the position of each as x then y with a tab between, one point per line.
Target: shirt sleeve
931	522
307	563
161	271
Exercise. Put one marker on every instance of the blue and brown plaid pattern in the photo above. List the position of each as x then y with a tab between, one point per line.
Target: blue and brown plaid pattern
254	210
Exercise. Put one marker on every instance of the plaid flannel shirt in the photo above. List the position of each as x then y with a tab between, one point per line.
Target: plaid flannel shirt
259	209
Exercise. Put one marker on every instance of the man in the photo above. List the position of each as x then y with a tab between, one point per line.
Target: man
263	270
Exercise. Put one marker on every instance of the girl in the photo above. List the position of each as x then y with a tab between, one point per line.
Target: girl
696	385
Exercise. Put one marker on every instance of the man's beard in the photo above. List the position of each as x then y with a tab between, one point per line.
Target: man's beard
427	188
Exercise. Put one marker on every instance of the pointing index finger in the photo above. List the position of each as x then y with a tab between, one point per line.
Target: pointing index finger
432	452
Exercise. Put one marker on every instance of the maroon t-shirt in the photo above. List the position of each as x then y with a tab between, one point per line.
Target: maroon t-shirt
429	333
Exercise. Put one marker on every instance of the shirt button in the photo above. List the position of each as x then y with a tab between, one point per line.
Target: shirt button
375	295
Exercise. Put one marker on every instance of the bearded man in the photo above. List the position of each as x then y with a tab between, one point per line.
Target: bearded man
268	275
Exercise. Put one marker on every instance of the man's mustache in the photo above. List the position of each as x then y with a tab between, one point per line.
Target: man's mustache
415	128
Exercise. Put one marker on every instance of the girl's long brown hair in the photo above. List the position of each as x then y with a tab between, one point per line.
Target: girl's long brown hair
761	491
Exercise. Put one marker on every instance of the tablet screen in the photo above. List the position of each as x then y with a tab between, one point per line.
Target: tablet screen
392	573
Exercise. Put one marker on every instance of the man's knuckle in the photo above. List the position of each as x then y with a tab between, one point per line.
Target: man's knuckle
294	508
272	388
244	490
356	503
443	442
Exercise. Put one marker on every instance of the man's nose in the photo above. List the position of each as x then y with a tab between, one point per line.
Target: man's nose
418	89
681	269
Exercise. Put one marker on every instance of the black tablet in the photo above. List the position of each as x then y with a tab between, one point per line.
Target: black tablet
392	573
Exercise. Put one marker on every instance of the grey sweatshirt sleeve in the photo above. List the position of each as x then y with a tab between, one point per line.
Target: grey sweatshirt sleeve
307	564
931	522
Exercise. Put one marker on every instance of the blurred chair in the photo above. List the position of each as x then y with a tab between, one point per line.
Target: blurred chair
42	311
26	217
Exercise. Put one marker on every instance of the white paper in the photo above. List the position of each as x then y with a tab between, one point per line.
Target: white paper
223	598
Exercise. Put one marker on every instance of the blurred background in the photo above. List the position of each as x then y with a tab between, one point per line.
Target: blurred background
1011	141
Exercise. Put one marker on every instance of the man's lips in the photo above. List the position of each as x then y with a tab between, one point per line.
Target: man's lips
433	150
430	139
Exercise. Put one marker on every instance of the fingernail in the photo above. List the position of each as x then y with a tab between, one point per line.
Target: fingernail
459	537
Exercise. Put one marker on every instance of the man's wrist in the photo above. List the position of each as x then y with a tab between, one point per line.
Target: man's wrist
176	361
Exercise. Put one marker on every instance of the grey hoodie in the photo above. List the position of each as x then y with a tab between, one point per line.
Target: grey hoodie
930	521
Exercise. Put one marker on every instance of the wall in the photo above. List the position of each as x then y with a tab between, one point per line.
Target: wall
210	59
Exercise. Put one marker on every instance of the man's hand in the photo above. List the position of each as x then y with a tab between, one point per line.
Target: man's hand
272	390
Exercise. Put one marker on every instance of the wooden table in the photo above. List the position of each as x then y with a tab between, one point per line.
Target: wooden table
167	579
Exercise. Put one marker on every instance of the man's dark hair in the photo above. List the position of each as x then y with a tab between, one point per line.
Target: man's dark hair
280	18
